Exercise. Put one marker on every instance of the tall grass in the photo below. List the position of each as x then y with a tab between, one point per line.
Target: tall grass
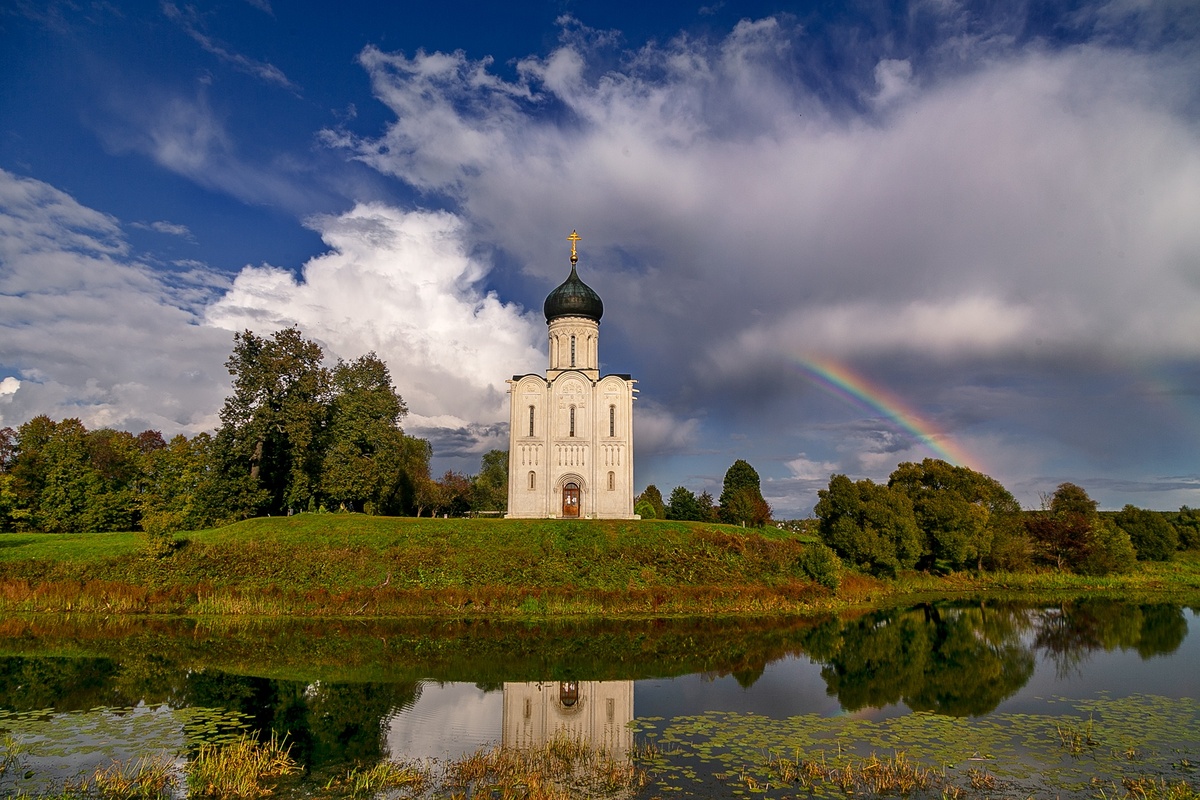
243	769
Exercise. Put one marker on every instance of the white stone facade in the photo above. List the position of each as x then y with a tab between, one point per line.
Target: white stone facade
571	433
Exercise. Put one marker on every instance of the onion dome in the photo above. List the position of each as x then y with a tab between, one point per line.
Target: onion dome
573	297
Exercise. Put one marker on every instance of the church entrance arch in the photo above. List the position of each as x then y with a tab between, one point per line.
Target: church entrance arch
570	500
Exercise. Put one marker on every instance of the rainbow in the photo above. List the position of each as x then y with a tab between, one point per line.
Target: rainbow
841	382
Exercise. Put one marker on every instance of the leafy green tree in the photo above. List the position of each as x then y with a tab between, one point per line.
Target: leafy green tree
28	466
118	460
171	485
869	525
8	451
707	507
363	466
961	513
429	495
741	499
653	497
8	503
683	505
70	481
1069	498
490	489
8	447
270	435
1153	537
1109	550
1187	523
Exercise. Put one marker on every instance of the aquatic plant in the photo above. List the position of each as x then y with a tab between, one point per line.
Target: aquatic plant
147	778
563	768
241	769
368	782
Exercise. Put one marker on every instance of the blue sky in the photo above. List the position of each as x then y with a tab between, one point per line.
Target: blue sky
982	216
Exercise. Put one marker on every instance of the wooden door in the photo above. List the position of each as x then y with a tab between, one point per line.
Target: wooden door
570	500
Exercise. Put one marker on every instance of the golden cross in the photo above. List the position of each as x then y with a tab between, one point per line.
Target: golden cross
573	238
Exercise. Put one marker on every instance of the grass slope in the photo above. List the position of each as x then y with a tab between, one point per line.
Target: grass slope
354	565
334	564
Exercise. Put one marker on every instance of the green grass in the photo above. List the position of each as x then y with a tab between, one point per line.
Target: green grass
343	564
69	547
355	565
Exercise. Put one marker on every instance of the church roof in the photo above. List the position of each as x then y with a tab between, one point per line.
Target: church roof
573	298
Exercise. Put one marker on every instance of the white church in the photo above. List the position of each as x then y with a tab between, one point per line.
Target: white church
570	450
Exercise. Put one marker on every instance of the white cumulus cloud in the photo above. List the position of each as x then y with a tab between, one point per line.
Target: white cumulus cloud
405	285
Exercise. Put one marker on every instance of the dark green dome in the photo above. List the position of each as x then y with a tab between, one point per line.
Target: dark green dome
573	298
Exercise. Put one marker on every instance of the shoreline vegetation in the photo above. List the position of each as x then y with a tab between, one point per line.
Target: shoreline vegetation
353	565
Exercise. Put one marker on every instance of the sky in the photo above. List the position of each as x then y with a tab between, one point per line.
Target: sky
830	237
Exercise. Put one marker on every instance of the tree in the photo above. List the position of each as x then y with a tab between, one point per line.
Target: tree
490	489
1071	499
1187	524
1070	534
683	505
1153	537
27	467
363	466
8	504
171	485
869	525
70	482
1109	550
962	514
707	507
270	426
8	447
741	499
653	497
118	460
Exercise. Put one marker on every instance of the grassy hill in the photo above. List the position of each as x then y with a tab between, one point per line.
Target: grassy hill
343	564
347	565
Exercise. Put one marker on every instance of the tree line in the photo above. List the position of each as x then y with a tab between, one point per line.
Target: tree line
295	435
939	517
741	501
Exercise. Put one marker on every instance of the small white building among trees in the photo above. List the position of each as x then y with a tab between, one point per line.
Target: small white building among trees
571	432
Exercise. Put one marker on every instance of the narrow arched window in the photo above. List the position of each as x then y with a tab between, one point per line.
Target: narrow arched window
612	481
612	420
572	351
572	422
532	480
531	420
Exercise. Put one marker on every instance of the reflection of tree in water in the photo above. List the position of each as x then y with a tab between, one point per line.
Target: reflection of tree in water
63	684
952	660
1070	632
965	660
325	723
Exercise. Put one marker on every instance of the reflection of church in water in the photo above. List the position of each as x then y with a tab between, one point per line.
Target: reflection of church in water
570	447
597	713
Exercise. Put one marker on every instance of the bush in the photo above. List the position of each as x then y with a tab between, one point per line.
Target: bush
1153	537
1187	525
869	525
158	544
820	563
644	509
1109	551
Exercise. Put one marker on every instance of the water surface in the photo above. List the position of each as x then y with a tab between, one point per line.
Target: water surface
928	680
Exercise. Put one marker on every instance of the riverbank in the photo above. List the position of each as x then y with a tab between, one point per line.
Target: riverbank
344	565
